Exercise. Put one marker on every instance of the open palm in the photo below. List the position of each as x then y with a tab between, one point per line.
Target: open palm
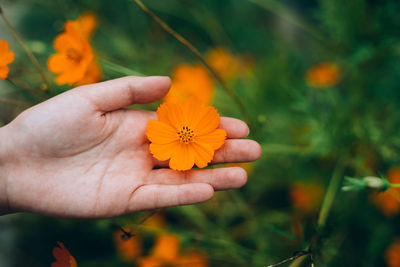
81	154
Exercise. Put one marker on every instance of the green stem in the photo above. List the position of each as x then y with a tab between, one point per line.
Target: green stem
330	195
118	68
46	84
196	52
394	185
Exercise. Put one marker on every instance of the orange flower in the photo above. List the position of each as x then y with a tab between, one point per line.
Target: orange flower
74	61
63	257
86	24
306	197
323	75
166	253
389	201
6	57
190	82
392	254
128	249
223	62
227	65
92	75
186	134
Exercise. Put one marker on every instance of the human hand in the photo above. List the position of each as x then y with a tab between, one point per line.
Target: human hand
81	154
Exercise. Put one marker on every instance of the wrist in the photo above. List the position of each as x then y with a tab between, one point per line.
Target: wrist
4	203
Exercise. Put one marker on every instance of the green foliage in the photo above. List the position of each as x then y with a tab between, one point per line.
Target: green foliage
304	131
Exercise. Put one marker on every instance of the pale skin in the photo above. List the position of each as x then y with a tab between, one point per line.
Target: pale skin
82	155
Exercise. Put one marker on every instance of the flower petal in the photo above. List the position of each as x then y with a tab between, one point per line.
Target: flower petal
182	158
172	115
6	58
206	121
65	41
203	154
4	70
215	139
72	75
160	133
59	62
4	47
163	151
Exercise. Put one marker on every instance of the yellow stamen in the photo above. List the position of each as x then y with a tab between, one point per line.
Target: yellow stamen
186	135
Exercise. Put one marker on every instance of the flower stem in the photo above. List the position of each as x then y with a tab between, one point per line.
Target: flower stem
46	85
330	195
196	52
394	185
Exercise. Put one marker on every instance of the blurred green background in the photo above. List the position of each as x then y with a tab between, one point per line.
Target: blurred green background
312	134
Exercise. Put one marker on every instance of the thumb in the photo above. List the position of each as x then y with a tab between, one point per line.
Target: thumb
118	93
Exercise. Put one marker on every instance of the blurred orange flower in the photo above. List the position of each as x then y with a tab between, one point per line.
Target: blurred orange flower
74	61
306	197
226	64
86	24
6	57
166	253
389	201
128	249
63	257
323	75
190	82
392	254
186	134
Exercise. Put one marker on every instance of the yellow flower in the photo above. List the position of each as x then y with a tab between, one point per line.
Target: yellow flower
190	82
6	57
323	75
63	257
186	134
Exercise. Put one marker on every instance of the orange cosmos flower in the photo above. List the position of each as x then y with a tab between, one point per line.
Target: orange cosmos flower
389	201
190	82
86	24
92	75
185	134
166	253
323	75
392	254
306	197
6	57
63	257
74	61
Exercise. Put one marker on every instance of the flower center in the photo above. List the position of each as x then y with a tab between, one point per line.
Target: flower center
186	135
73	55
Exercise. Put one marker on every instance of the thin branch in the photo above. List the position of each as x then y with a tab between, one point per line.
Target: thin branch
290	259
46	84
196	52
128	234
14	102
330	195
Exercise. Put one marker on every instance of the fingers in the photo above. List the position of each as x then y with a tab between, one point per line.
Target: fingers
234	128
149	197
219	179
234	150
239	150
118	93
